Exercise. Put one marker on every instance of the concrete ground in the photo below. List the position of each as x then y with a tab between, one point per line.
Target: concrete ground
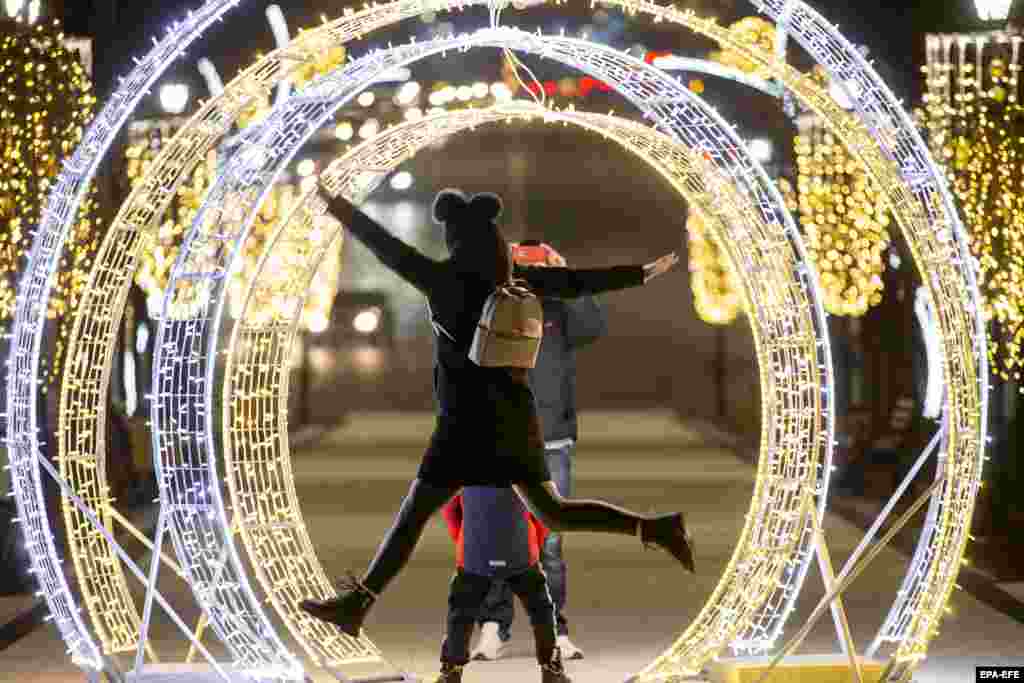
625	605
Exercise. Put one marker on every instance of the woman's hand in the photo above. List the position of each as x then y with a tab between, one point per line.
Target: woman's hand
340	207
660	267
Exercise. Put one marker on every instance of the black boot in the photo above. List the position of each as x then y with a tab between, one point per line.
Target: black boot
554	672
450	673
348	610
669	533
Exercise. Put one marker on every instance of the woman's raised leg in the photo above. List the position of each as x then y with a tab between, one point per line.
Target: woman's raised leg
567	515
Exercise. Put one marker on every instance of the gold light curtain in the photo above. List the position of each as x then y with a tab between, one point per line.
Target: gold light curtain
974	121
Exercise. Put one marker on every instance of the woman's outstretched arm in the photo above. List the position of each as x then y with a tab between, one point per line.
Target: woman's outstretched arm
421	272
567	283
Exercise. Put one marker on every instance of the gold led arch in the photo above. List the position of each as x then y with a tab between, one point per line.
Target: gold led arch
257	458
915	196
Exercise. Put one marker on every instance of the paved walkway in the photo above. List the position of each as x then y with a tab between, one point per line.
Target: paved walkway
626	605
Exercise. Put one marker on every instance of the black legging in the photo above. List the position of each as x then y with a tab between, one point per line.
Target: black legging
558	514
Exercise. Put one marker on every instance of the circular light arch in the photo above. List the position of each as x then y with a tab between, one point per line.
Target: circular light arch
798	419
256	455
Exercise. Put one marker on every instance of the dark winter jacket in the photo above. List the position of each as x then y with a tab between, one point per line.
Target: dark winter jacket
568	325
493	532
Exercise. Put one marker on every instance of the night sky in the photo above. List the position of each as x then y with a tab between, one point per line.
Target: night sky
895	36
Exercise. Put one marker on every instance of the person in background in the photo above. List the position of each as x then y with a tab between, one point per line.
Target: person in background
497	539
568	325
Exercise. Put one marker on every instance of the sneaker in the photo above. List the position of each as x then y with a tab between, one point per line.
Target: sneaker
348	610
450	673
490	645
568	649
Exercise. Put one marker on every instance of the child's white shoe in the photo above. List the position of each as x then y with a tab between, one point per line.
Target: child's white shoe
490	646
568	649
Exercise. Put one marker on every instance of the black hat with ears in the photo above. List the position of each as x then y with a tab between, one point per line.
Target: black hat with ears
466	219
455	206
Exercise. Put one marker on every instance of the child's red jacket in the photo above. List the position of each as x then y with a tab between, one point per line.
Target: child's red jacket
452	513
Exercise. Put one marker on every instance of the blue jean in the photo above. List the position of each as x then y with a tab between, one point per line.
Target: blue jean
499	606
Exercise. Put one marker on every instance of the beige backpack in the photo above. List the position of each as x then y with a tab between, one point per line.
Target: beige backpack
510	329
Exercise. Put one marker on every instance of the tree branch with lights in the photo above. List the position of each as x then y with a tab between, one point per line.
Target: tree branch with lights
46	100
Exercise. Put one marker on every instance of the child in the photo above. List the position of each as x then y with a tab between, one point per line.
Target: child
496	539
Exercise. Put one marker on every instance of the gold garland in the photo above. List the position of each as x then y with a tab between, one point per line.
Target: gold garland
845	225
716	290
753	31
46	101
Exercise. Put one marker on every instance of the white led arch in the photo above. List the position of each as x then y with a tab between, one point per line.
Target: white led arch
798	420
941	254
30	318
257	461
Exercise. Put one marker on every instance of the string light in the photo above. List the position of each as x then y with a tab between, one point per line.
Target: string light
804	23
152	277
716	294
843	217
975	125
755	32
46	100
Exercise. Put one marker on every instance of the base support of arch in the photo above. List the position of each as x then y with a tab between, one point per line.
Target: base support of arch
799	669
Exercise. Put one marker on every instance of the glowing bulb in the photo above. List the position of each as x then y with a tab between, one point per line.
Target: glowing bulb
344	131
369	129
14	7
480	90
437	98
307	167
501	92
762	150
35	8
174	98
464	93
366	98
413	114
408	93
401	181
993	10
317	323
367	322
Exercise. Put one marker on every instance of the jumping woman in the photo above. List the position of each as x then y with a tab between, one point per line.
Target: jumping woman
488	432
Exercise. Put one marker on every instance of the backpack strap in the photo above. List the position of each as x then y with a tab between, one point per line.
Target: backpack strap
439	329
